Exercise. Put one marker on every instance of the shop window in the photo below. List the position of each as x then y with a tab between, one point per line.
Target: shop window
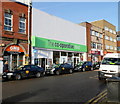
69	54
63	54
76	54
36	61
7	21
56	56
22	25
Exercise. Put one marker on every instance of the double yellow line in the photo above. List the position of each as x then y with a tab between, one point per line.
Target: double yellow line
97	98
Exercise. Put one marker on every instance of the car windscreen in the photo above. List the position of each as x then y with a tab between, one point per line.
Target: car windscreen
111	61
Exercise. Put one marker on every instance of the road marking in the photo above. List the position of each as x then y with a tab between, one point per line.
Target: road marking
97	98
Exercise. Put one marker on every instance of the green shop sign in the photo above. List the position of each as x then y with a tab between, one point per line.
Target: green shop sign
58	45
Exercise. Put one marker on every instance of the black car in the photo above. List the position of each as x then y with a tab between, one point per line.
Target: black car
24	71
64	68
84	66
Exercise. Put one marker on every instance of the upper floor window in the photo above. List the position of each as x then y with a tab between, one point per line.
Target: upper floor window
106	37
111	47
99	46
7	21
101	35
22	25
118	48
118	38
107	47
114	32
97	34
93	45
111	39
111	30
93	32
106	28
114	40
115	48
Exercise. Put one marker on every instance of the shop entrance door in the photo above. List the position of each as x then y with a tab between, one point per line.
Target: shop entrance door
76	60
14	61
43	63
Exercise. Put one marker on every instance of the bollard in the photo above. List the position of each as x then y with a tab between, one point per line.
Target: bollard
113	89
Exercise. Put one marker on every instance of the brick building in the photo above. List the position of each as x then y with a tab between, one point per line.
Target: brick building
118	42
94	41
15	34
101	39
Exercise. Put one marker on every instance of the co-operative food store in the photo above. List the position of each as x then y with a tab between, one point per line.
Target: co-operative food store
55	40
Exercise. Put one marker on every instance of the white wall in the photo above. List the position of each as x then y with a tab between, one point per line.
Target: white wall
51	27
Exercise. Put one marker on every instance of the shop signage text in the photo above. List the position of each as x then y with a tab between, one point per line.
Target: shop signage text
14	48
58	45
61	45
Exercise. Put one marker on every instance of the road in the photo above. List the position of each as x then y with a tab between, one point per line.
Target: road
76	87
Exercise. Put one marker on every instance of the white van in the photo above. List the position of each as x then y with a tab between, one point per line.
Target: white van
110	66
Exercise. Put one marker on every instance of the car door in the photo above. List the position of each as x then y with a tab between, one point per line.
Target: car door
67	67
33	70
28	70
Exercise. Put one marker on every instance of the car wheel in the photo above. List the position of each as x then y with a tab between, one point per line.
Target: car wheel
70	71
57	72
18	77
38	75
83	69
43	74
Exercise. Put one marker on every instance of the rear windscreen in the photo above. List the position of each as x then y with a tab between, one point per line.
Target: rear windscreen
111	61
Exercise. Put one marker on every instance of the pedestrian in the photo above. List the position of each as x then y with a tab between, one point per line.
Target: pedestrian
5	68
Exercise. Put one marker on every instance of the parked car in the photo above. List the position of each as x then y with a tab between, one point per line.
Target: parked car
24	71
78	66
64	68
51	70
96	65
84	66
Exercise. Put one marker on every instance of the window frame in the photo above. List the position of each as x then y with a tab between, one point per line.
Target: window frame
11	26
19	28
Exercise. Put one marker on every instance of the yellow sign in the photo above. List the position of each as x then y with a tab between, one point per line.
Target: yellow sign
27	71
27	55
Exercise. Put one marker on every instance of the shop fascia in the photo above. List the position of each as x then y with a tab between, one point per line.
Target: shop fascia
42	46
57	45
